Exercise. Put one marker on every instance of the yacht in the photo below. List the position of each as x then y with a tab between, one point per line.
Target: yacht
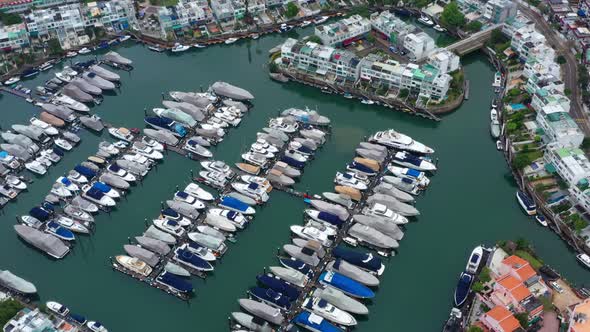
146	151
57	308
527	203
15	182
96	326
95	195
121	133
349	179
169	226
231	40
474	260
179	48
393	139
312	233
218	166
213	178
409	173
380	210
326	310
426	20
439	28
36	167
134	265
584	259
47	128
252	190
463	288
181	196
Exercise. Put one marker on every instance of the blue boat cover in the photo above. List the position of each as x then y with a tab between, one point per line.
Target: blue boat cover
87	172
172	223
363	260
105	188
170	213
3	154
59	230
271	296
408	181
175	282
192	142
347	176
39	213
95	193
324	326
346	284
78	318
298	265
305	149
361	167
58	151
66	181
192	259
462	289
48	207
292	162
413	173
159	121
179	129
114	168
330	218
182	194
279	286
253	186
232	215
234	203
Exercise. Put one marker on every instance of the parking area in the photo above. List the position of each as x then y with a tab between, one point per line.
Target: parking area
564	299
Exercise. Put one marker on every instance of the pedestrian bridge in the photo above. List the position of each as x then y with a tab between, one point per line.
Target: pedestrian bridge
473	42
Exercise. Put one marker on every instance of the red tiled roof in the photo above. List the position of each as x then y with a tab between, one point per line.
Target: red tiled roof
520	266
5	3
504	318
518	290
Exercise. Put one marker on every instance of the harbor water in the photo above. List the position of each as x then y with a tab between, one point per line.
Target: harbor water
470	201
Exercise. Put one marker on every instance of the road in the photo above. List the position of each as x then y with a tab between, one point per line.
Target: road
570	68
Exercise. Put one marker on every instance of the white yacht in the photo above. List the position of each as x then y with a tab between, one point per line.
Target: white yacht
393	139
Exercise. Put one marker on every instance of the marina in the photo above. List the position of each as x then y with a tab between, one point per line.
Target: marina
454	211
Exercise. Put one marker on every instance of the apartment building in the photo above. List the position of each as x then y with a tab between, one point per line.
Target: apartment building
390	27
223	10
115	14
65	23
500	11
444	61
570	163
559	128
185	14
13	37
419	45
343	32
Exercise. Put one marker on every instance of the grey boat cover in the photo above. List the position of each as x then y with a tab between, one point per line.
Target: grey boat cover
183	208
16	150
114	181
287	170
195	112
277	177
86	87
92	122
31	132
206	229
145	255
70	136
131	166
371	154
9	280
308	143
311	116
353	272
176	269
313	134
277	142
105	73
154	245
238	104
60	111
250	323
227	90
98	81
391	190
242	198
73	212
371	146
43	241
154	233
392	203
200	140
84	204
76	93
20	139
289	275
90	165
399	184
306	255
162	136
211	133
51	198
276	133
341	300
116	58
262	310
191	98
372	236
312	244
341	199
206	240
382	225
338	210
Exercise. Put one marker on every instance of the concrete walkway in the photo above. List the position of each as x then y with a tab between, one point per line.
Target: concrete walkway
550	322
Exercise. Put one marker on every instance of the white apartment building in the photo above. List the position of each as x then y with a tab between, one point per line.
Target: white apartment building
544	81
570	163
559	128
184	14
63	22
419	45
13	37
499	11
542	98
444	61
223	10
526	41
543	65
115	14
390	27
343	32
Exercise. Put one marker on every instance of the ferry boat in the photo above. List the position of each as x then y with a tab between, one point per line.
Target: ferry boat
527	203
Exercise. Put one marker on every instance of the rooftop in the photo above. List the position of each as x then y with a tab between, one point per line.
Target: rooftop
504	318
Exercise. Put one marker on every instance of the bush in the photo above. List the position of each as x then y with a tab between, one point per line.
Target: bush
474	328
535	262
473	26
477	287
292	10
8	309
452	17
523	318
484	275
315	39
403	93
9	18
561	59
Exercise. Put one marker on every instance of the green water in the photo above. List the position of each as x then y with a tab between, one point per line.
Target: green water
470	201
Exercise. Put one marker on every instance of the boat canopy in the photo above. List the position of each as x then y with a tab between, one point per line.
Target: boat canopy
87	172
234	203
39	213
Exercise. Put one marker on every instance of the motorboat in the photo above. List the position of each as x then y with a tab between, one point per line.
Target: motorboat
287	125
270	297
236	218
393	139
340	199
106	189
341	300
51	155
117	58
307	116
426	20
57	308
353	272
165	123
326	310
84	50
390	190
381	224
154	245
410	173
96	326
78	214
474	260
132	166
16	283
105	73
346	285
36	167
8	192
60	190
195	112
218	166
169	226
349	179
286	169
272	140
382	211
526	203
152	143
32	132
241	197
495	128
541	219
262	310
138	160
75	176
231	40
406	185
304	255
584	259
86	87
73	98
186	257
276	133
248	168
122	134
306	142
175	283
360	168
252	190
279	285
250	322
134	265
84	204
58	231
213	178
393	204
182	196
372	237
201	251
179	48
255	158
258	149
324	217
316	135
193	147
63	144
21	140
463	289
176	115
97	81
228	117
48	244
262	143
404	158
96	195
54	113
236	205
176	269
311	233
220	223
146	151
289	275
71	224
212	243
47	128
439	28
15	182
154	233
297	264
9	160
108	148
93	122
338	210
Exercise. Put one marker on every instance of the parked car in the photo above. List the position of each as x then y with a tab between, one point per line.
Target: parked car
556	287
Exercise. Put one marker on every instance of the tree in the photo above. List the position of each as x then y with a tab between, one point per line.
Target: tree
497	37
54	46
292	10
473	26
523	318
474	328
8	309
521	161
9	18
561	59
484	275
477	287
314	39
403	93
452	17
522	243
567	91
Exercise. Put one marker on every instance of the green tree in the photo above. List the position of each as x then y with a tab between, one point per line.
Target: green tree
9	18
522	243
314	39
452	17
292	10
54	46
484	275
360	10
561	59
403	93
497	37
474	328
477	287
567	91
523	318
473	26
583	76
8	309
521	161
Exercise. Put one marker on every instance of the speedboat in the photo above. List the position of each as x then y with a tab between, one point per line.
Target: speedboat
15	182
270	297
236	218
349	179
109	148
60	190
8	192
220	223
63	144
213	178
12	80
410	173
152	143
256	148
174	283
393	139
134	264
96	326
236	205
277	284
171	214
439	28
584	259
96	195
425	20
345	285
541	219
218	166
289	275
147	151
78	213
186	257
312	233
169	226
283	124
255	158
57	308
365	261
77	177
195	190
106	189
463	288
296	155
324	309
182	196
341	300
66	183
193	147
382	211
58	231
123	174
261	143
179	48
122	134
84	204
36	167
474	260
71	224
201	251
47	128
527	203
252	190
407	159
324	217
231	40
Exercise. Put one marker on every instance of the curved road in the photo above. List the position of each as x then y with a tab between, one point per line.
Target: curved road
570	68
